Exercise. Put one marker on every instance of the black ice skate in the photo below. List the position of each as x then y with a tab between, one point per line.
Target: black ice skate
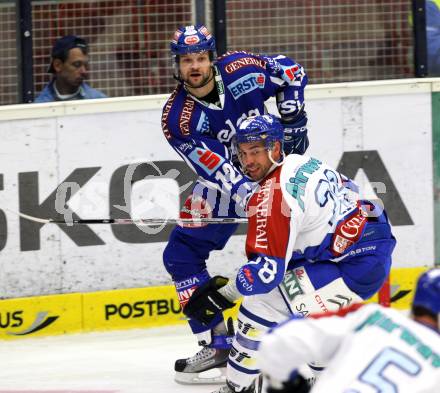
208	366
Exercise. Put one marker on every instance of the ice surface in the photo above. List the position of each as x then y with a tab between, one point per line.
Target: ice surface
140	360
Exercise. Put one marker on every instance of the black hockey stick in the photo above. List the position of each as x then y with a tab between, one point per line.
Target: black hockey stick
140	221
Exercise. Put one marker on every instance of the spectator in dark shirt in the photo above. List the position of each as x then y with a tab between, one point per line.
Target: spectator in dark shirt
69	67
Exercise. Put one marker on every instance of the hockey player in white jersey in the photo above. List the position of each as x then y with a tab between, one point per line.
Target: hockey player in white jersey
312	246
368	349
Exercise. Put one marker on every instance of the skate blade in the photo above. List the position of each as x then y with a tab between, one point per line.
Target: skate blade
213	376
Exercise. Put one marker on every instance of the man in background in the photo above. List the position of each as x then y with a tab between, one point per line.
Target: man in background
69	66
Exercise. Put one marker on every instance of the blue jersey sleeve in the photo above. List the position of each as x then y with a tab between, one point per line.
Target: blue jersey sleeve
277	76
288	79
261	274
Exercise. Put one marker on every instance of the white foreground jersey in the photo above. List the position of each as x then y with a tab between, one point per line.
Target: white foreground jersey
371	350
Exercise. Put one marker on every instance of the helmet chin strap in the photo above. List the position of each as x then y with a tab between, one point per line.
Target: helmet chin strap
276	163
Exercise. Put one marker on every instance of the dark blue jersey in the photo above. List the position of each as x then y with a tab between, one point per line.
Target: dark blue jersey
202	132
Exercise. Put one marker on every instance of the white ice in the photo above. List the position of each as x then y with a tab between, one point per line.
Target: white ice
130	361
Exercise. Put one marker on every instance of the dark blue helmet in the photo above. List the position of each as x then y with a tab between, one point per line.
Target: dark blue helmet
192	39
266	128
428	291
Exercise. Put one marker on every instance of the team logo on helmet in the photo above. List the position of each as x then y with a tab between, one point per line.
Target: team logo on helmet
191	40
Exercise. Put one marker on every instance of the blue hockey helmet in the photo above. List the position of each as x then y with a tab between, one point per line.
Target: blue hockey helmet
192	39
261	128
266	128
428	292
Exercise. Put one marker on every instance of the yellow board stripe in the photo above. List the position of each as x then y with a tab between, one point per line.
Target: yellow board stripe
129	308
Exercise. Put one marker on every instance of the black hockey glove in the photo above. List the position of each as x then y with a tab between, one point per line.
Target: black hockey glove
297	384
296	140
206	302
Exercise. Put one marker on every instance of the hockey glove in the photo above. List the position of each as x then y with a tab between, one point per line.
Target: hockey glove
296	140
206	301
297	384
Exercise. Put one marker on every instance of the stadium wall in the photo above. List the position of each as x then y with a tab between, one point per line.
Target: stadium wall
129	308
111	159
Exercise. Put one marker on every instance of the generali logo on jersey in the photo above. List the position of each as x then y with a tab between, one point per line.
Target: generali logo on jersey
166	114
244	62
185	116
262	212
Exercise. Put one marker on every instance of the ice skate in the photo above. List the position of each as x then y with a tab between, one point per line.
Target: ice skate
208	366
256	387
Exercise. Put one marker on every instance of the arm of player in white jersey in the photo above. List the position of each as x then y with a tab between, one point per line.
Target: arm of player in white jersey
300	341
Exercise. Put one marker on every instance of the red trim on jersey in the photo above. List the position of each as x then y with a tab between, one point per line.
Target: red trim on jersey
340	313
269	219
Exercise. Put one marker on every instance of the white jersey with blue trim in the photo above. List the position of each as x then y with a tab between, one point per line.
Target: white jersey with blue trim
319	197
303	209
371	349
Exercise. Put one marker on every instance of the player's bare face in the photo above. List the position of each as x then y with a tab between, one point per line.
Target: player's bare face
195	69
254	159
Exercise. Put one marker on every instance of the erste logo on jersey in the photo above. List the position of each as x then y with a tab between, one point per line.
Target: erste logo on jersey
244	62
206	159
247	84
348	232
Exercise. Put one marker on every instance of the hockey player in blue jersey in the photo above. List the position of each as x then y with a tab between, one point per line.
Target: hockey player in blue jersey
199	120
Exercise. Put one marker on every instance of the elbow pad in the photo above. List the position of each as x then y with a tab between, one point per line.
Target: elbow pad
260	275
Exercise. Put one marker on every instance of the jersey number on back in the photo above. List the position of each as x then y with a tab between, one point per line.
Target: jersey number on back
329	189
375	374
